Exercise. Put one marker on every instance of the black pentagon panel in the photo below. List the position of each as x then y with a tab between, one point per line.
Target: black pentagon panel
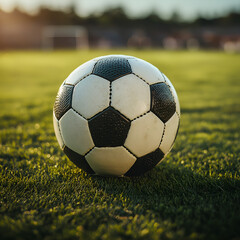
162	101
63	100
78	160
112	68
145	163
109	128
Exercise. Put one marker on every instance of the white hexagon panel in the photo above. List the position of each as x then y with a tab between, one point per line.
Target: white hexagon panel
110	161
144	135
130	96
171	127
174	93
75	132
57	131
91	96
80	72
146	71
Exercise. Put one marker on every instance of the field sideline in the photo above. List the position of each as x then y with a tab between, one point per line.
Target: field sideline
193	194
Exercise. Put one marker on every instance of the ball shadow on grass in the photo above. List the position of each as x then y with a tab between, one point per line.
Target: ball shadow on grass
193	202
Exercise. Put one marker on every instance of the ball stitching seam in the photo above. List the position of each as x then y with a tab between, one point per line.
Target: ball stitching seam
140	78
164	128
78	113
82	79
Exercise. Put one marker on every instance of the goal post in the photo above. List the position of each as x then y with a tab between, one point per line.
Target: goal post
54	37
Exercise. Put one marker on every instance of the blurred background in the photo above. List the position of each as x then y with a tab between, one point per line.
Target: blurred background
106	24
194	193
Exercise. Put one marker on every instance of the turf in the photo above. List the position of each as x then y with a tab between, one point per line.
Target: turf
193	194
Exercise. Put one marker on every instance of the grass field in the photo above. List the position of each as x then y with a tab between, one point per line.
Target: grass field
193	194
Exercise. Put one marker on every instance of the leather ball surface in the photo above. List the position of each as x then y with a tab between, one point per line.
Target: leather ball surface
116	115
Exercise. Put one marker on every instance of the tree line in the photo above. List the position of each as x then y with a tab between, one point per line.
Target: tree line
117	17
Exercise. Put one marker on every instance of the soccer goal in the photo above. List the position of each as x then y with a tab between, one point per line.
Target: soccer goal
60	37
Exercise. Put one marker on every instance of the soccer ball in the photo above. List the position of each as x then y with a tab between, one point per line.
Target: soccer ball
116	115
